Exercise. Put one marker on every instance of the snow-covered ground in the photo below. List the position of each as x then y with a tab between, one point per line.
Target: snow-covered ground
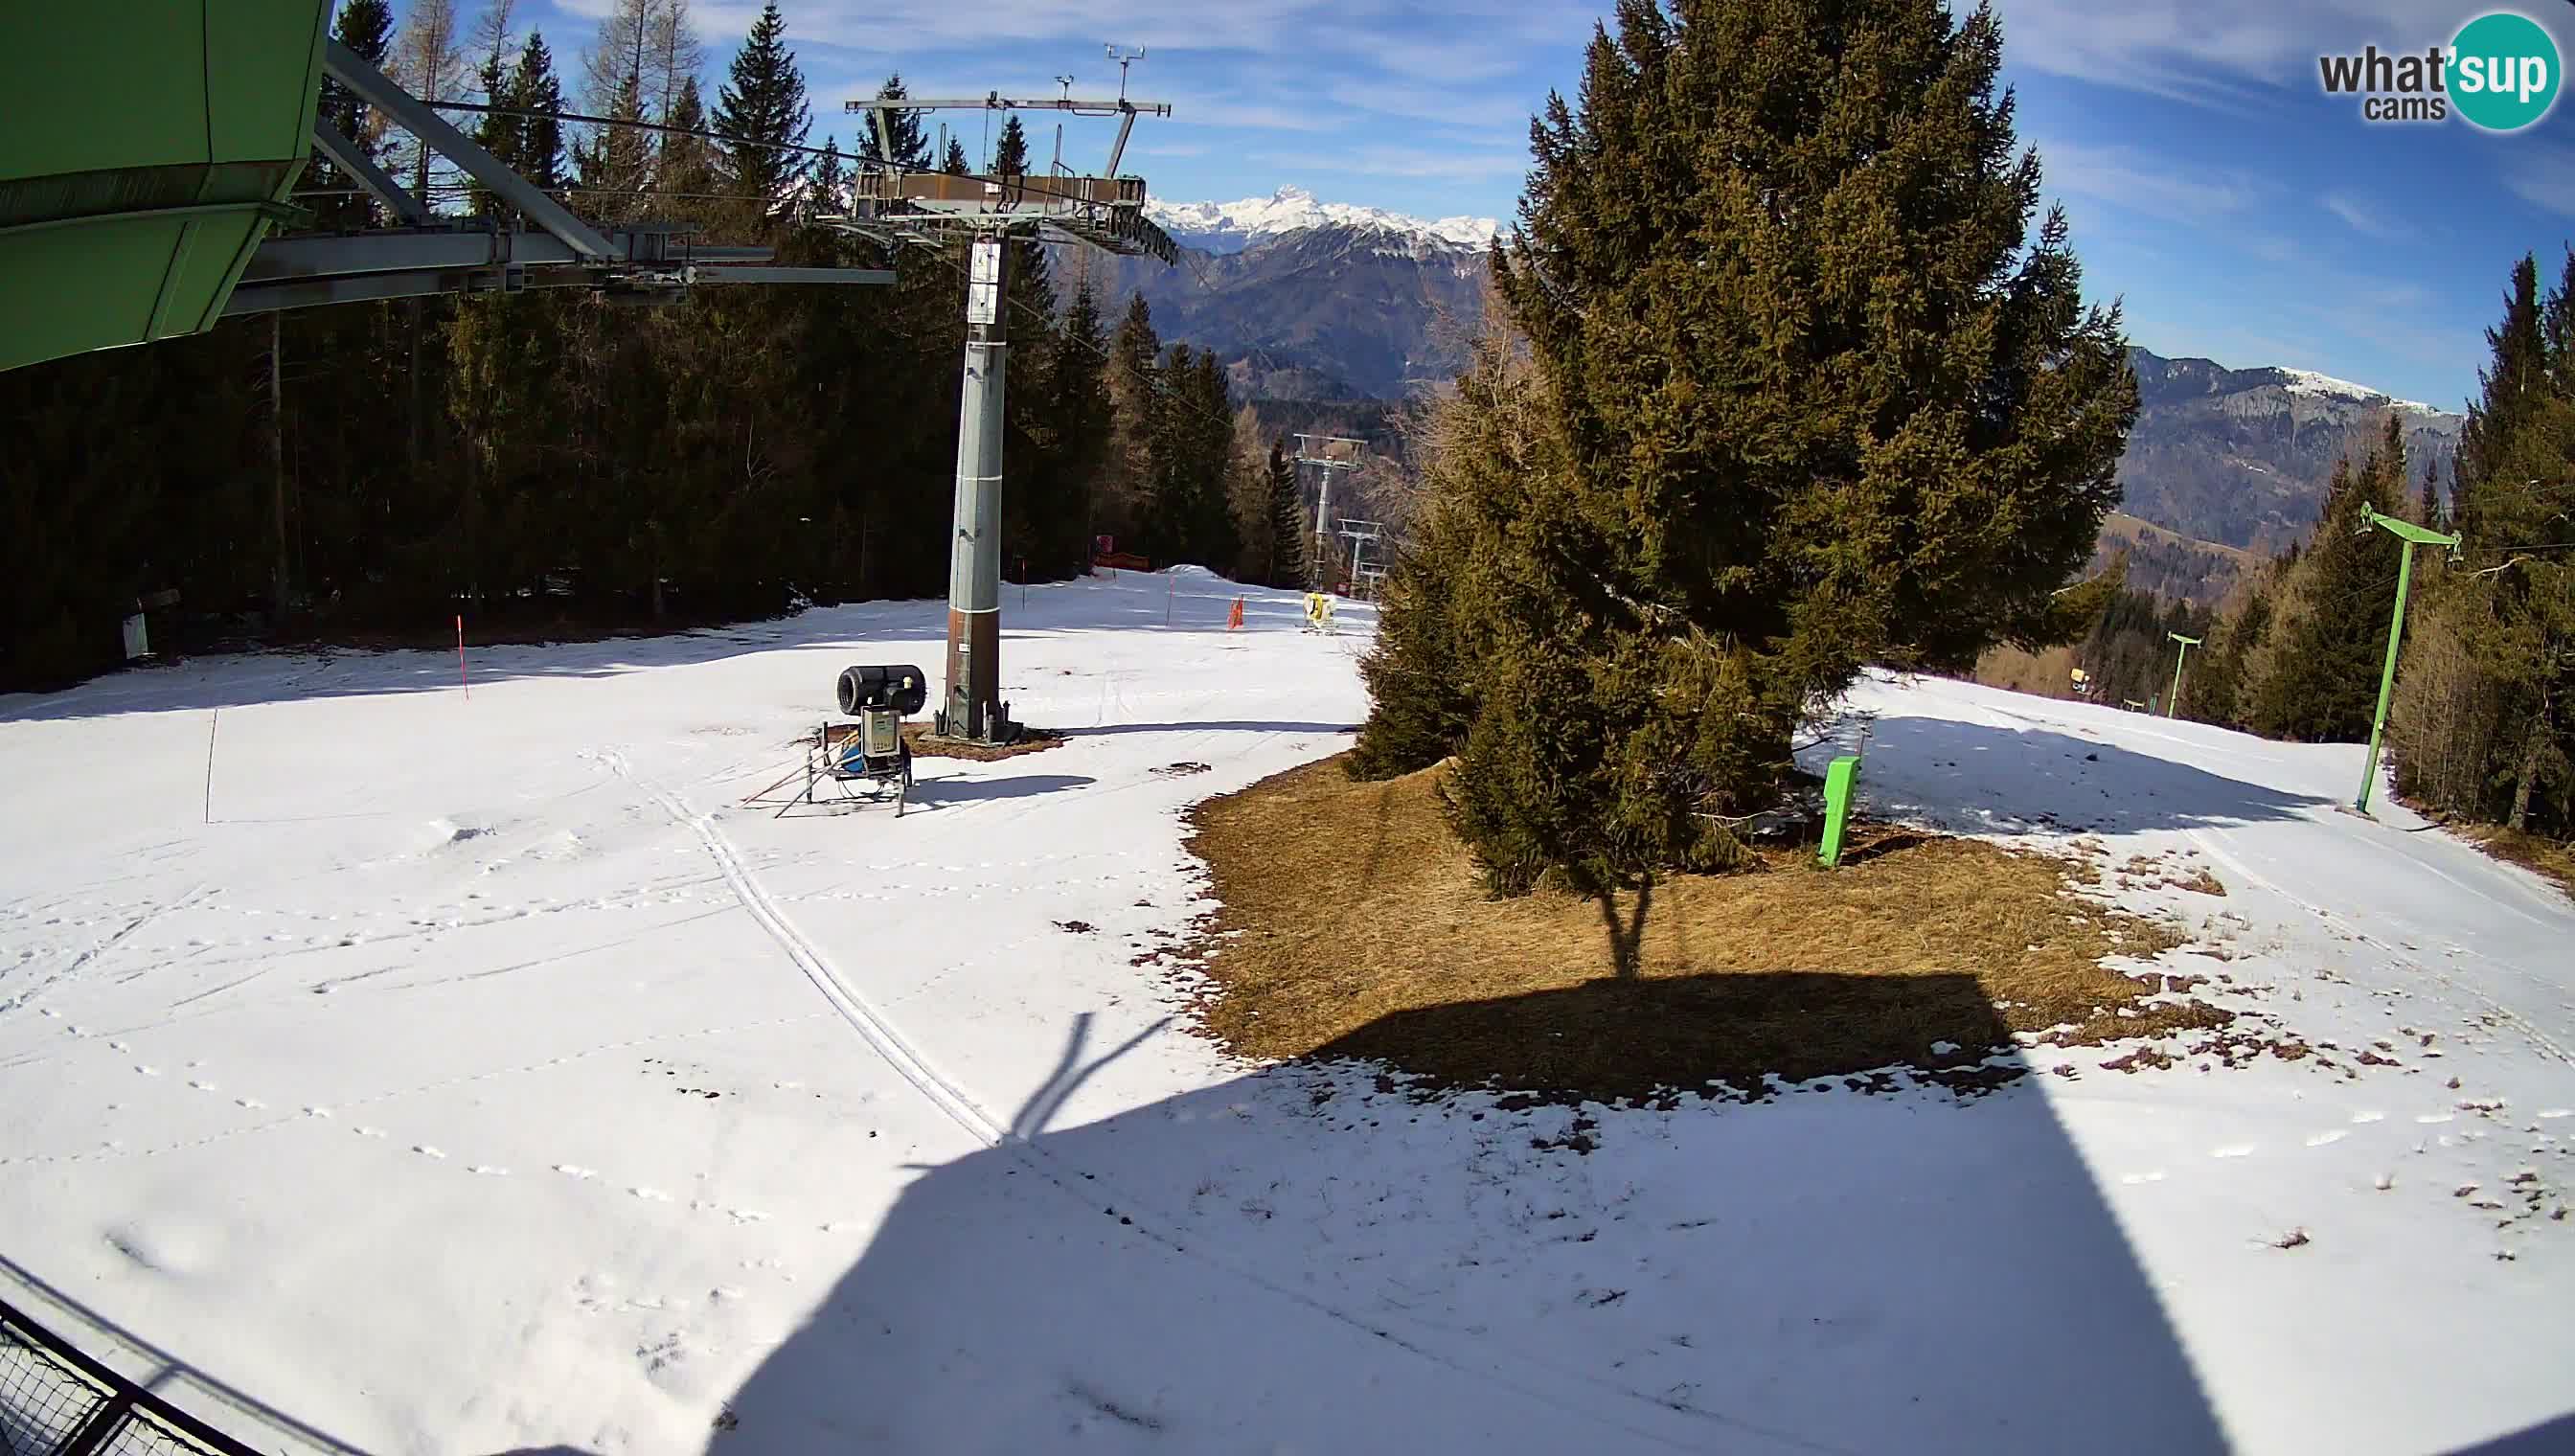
398	1069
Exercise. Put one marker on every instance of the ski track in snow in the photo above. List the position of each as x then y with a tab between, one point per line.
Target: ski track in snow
539	986
2538	1037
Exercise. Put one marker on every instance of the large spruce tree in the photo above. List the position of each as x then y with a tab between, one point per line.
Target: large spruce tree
1079	420
831	175
2517	496
911	142
495	133
1214	537
539	91
1011	149
2319	680
686	175
1286	557
1126	485
616	166
1816	394
366	27
761	113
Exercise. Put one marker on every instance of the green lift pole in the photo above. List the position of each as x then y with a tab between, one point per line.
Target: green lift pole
2413	536
2172	705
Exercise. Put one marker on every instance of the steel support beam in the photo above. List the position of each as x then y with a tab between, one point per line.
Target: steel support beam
390	250
396	252
792	275
362	169
1117	149
371	85
255	296
300	272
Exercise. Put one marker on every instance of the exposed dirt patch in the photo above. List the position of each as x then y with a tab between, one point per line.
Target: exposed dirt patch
924	745
1933	953
2156	871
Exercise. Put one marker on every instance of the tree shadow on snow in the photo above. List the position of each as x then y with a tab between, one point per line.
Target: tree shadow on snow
1218	725
1988	780
1307	1259
868	630
875	630
2548	1438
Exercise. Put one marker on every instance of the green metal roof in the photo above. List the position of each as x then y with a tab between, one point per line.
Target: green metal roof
150	145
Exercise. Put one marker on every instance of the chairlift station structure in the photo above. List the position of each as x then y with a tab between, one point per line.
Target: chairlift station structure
157	148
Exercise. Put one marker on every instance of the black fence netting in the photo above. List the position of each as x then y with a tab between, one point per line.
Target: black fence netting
55	1401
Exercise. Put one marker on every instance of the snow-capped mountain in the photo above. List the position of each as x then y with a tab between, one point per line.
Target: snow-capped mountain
2308	382
2241	456
1230	227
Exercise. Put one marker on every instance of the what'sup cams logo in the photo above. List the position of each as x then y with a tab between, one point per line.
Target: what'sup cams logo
2499	72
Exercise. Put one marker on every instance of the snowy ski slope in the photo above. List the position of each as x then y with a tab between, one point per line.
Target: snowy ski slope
396	1071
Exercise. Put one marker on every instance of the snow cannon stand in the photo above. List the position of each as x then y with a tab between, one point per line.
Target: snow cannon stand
865	760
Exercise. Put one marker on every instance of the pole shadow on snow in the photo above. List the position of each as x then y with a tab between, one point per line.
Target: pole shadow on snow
1995	780
1307	1259
933	792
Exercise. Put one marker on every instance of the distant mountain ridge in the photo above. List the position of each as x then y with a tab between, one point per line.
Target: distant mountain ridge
1377	309
2241	457
1304	300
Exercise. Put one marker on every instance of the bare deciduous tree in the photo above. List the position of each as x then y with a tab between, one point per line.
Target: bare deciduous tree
429	64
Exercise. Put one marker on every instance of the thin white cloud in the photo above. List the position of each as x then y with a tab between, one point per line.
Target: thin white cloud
2349	289
2359	216
1400	161
2220	52
2544	179
2140	181
1194	109
2230	347
2272	248
1456	110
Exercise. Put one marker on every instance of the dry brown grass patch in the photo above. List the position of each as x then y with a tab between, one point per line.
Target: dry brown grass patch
2536	853
1364	933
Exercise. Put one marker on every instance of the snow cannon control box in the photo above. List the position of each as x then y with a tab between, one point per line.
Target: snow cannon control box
900	689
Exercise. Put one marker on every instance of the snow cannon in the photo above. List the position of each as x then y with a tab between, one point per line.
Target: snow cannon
900	691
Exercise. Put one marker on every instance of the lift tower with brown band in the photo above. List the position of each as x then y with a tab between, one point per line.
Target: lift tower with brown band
893	207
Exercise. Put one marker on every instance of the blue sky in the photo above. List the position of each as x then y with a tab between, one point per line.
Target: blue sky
2241	213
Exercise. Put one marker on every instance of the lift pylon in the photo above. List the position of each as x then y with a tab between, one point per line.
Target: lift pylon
893	205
